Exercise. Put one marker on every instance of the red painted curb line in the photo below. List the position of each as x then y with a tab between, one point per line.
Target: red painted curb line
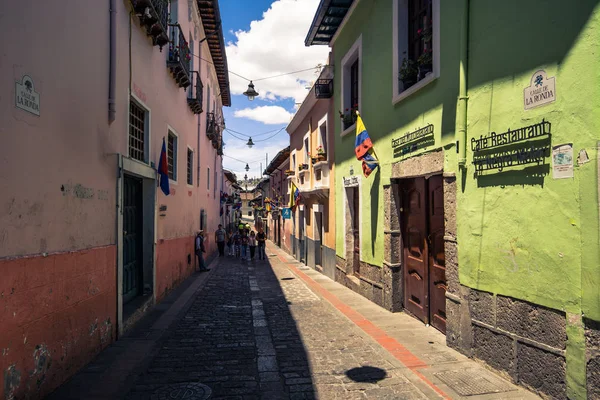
392	346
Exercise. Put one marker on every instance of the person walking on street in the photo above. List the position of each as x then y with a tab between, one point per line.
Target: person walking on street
220	239
237	242
229	243
261	239
200	250
245	240
252	244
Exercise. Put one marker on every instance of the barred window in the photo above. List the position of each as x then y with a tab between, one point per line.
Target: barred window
138	131
172	155
190	163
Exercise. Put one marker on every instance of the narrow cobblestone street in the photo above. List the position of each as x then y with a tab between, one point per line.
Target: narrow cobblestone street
258	330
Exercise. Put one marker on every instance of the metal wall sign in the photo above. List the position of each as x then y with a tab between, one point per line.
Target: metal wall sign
350	181
286	213
512	148
413	136
26	98
541	90
511	136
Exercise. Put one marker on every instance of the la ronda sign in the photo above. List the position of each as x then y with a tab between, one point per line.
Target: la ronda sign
26	98
542	90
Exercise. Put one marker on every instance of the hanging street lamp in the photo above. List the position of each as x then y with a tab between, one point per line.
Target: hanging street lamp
251	93
247	167
250	143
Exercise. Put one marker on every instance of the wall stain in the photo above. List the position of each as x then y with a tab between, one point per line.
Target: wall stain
12	380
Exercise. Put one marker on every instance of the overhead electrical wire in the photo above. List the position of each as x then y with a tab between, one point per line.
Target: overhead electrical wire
255	135
261	79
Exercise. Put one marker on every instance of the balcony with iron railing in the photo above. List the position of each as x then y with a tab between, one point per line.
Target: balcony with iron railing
195	93
211	125
178	61
324	84
153	15
216	140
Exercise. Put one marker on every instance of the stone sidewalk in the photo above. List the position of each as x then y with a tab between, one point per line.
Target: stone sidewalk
277	330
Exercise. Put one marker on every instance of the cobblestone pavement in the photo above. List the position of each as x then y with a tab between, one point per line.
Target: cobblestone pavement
256	331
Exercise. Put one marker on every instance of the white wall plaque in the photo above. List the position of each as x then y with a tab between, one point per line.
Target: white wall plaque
26	98
542	90
562	161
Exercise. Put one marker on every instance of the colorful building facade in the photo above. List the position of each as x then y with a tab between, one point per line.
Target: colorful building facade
482	218
312	172
90	242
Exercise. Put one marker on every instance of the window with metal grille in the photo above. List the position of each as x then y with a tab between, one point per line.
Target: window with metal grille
172	155
190	163
354	85
137	131
419	28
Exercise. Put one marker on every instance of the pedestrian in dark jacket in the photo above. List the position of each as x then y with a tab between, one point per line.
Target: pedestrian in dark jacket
200	250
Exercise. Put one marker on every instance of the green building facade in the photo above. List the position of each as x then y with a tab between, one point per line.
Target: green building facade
482	218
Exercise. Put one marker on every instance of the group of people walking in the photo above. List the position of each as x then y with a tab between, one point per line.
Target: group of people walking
243	243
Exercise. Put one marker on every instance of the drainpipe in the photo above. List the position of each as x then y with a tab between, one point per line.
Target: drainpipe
461	118
112	78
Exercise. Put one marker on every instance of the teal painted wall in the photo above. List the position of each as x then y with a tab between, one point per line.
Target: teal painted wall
434	104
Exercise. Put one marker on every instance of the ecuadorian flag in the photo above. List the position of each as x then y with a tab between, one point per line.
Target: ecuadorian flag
364	148
294	196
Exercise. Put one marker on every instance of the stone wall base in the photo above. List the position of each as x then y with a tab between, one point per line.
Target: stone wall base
526	342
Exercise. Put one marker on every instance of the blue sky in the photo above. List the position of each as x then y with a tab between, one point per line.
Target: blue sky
265	38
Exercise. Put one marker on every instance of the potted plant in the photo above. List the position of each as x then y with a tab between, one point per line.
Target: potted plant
321	155
303	167
408	73
349	116
290	172
425	64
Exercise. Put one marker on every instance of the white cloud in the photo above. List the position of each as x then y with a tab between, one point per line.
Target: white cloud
275	45
266	114
255	157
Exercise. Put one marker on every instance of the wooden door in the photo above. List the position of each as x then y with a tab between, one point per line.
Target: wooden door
356	232
132	237
437	265
414	238
318	237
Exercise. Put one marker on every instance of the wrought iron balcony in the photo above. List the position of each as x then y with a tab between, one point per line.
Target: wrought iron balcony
195	93
216	140
211	125
179	56
324	88
153	15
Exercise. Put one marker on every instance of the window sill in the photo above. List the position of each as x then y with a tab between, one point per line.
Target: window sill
320	164
172	182
347	131
414	88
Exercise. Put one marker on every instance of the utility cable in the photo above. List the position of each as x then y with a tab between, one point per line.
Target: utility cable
255	135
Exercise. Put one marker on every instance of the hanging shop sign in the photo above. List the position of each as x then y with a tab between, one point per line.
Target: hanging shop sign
350	181
493	152
286	213
562	161
419	134
541	90
26	98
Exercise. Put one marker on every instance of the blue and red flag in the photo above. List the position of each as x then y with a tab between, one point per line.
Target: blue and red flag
163	170
363	148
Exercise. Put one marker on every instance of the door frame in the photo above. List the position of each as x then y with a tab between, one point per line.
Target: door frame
137	169
422	165
352	186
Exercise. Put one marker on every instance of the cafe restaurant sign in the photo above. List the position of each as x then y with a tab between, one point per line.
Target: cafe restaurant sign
542	90
26	98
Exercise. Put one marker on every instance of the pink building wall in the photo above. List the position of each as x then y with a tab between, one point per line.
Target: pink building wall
60	243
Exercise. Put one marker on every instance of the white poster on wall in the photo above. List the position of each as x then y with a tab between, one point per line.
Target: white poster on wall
562	161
